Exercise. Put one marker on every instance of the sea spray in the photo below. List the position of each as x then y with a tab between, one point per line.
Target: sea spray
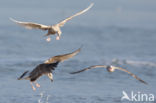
47	98
41	96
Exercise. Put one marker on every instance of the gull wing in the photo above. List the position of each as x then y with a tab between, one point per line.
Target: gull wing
61	58
21	77
30	25
131	74
79	13
91	67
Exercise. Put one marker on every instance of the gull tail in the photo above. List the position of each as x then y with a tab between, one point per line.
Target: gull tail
21	77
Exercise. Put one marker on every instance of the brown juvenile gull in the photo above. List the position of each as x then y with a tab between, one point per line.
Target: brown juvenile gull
52	29
109	68
46	68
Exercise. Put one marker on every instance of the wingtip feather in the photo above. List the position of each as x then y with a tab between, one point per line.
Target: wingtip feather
91	5
144	82
12	19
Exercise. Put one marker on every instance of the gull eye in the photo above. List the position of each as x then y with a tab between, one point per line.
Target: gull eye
108	66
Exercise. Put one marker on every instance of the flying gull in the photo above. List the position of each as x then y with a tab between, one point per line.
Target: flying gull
46	68
52	29
109	68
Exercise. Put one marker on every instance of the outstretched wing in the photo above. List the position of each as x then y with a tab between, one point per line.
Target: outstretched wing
131	74
61	58
91	67
79	13
21	77
30	25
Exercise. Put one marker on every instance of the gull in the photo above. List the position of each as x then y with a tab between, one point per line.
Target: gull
109	68
46	68
52	29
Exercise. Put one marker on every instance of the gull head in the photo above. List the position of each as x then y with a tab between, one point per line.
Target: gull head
110	68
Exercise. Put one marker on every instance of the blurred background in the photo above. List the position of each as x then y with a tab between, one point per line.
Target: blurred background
120	32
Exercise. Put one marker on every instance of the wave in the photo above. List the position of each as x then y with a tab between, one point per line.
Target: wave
133	63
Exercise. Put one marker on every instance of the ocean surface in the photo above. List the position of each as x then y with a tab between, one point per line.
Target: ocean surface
117	32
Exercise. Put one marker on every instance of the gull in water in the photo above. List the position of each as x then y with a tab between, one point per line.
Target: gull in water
46	68
52	29
109	68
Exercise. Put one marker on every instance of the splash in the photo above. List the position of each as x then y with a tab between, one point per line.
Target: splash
41	96
47	98
44	98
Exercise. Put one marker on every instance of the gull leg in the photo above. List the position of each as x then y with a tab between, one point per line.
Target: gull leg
58	38
58	35
48	39
32	86
37	85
